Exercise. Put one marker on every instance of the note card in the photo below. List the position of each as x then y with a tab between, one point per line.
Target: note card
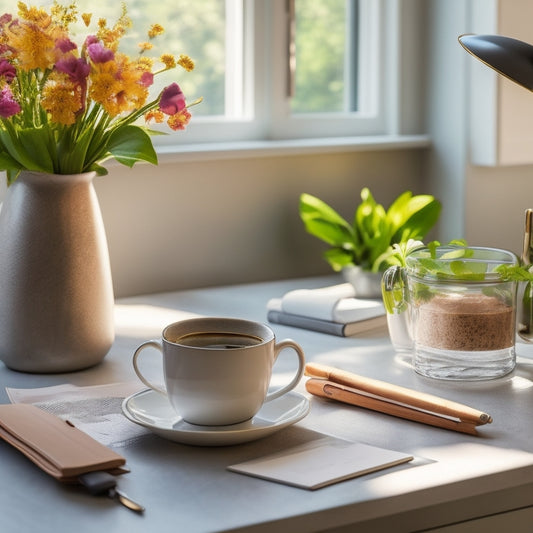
321	464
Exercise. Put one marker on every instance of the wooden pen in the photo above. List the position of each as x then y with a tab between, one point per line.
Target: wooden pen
342	393
395	395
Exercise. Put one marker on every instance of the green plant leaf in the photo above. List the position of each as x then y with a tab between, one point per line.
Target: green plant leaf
324	222
419	215
468	270
29	147
8	163
338	258
330	233
129	144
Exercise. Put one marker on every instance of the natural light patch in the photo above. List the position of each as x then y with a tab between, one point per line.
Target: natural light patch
520	383
145	321
442	465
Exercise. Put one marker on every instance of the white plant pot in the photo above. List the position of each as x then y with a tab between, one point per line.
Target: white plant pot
366	284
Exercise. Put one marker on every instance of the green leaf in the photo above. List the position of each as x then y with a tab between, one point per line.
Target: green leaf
338	258
29	147
312	207
468	269
330	233
515	273
8	163
129	144
324	222
420	214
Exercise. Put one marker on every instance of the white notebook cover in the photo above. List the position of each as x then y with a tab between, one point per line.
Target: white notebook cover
316	466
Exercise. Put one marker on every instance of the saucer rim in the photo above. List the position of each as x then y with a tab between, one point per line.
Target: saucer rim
209	435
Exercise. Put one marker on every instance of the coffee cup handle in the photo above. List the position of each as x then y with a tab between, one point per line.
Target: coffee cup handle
288	343
153	344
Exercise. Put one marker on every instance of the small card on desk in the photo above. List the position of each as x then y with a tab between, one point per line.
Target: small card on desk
321	464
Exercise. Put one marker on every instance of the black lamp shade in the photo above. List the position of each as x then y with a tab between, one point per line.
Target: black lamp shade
510	57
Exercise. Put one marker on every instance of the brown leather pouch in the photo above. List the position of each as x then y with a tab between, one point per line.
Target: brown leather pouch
54	445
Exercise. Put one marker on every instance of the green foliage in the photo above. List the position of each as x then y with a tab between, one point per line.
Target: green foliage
515	273
368	241
320	57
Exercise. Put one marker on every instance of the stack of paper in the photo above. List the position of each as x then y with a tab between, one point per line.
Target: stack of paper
333	310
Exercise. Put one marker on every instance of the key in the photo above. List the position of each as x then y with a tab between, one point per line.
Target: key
103	483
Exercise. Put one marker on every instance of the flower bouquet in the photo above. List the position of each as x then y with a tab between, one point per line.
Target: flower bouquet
66	107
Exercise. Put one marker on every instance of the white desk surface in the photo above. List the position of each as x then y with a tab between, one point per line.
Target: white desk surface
188	489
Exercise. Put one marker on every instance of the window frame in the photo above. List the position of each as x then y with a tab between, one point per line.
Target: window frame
266	110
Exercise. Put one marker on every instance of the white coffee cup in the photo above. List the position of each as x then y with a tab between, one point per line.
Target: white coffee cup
217	371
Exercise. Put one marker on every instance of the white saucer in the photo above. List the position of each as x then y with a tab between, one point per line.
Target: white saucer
153	411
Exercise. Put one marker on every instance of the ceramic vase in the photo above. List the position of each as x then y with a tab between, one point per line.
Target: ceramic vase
56	292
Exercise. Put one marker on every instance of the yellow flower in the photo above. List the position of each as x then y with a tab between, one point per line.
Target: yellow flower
34	45
33	14
111	36
145	46
145	63
155	30
186	62
64	15
61	98
86	17
117	86
168	60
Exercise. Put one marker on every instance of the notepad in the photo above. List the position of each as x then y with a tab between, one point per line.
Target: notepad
319	465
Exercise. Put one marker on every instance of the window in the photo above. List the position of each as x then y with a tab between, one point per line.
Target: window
269	69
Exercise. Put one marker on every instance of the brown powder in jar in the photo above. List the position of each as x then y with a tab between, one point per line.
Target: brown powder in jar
471	322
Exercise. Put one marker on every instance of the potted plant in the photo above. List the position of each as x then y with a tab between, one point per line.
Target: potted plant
363	249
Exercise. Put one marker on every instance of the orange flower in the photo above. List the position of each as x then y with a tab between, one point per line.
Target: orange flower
155	115
34	44
179	120
61	98
118	85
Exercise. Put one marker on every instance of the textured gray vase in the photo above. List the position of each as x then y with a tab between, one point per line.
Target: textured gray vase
56	293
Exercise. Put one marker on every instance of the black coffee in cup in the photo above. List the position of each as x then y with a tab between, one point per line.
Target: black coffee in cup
218	340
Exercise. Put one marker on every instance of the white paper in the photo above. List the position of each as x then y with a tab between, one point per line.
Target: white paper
316	466
336	303
95	410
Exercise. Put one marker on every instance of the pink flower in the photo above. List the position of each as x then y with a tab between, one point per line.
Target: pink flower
76	68
6	18
172	100
7	70
91	39
99	53
8	105
147	79
65	45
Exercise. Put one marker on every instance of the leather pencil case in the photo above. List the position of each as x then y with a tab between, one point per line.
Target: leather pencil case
55	445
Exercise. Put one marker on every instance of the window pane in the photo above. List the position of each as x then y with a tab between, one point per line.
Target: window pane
325	50
193	28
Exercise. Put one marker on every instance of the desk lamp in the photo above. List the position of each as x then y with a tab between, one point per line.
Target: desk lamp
510	57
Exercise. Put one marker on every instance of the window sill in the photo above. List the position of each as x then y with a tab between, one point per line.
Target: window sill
241	150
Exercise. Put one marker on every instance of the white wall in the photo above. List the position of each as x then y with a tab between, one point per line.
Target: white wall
195	224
